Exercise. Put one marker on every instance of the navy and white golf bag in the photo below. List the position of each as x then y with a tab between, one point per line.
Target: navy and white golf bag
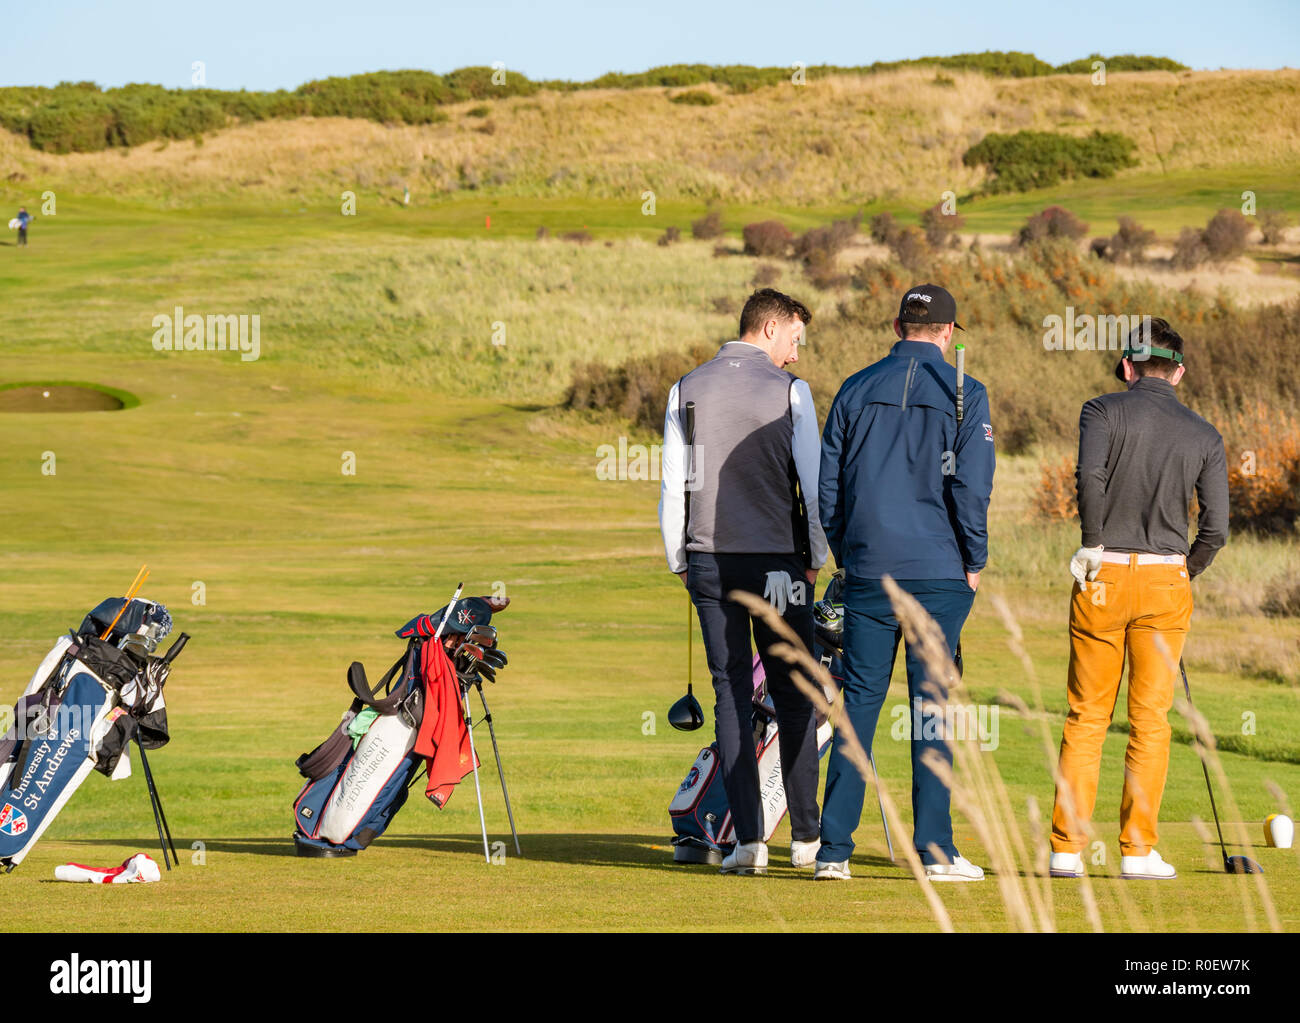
701	814
88	699
700	811
358	778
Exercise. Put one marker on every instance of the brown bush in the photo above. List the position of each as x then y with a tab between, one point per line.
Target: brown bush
883	228
765	275
670	235
543	232
1053	222
707	227
1056	498
578	237
1190	251
1282	599
1225	235
1273	225
939	226
637	389
823	243
1263	451
911	250
1129	243
767	238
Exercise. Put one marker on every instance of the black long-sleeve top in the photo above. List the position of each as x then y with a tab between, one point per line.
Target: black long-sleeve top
1142	454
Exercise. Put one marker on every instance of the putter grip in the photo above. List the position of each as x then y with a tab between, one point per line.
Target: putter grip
961	382
176	648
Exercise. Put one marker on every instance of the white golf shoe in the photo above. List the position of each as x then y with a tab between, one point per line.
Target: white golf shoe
804	854
960	869
832	871
1066	864
746	859
1146	868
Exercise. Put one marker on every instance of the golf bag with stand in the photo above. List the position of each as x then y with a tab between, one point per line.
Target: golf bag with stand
700	812
358	778
95	692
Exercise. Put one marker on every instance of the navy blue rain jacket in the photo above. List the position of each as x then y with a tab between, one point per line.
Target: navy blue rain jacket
903	491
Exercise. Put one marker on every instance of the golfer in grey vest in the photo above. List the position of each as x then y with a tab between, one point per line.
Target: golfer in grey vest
755	456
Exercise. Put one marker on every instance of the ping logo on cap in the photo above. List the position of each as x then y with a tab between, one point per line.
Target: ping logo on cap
917	294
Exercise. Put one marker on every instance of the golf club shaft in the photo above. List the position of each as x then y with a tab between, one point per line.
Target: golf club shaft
496	751
1205	770
447	614
157	807
132	590
881	803
473	757
690	669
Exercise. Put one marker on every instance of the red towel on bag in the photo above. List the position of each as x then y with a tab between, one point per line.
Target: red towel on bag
443	738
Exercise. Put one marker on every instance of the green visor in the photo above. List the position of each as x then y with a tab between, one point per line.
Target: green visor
1161	353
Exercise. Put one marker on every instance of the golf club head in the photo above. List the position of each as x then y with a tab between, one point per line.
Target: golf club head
686	715
1241	865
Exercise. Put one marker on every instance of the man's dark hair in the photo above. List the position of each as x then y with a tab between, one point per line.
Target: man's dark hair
1161	336
767	304
916	307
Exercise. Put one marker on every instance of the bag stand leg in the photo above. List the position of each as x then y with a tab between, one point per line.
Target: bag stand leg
473	756
487	716
159	818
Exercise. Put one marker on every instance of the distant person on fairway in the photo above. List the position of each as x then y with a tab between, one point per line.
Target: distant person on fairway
1142	454
24	218
751	470
904	493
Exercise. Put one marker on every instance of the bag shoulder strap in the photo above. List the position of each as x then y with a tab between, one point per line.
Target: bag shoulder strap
392	699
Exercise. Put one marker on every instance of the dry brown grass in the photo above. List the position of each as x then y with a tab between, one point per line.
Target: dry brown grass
877	137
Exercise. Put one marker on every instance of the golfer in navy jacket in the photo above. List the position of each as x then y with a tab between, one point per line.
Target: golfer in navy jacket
904	492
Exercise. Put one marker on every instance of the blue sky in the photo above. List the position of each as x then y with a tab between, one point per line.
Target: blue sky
270	44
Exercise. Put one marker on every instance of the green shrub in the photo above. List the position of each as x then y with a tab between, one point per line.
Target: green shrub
479	111
1123	62
695	98
1040	159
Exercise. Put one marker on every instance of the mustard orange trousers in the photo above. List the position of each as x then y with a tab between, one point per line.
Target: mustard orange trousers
1125	612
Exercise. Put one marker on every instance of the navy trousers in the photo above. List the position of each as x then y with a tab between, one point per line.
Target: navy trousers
871	637
726	627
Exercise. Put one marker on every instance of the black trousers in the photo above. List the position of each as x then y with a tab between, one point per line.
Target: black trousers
22	236
727	627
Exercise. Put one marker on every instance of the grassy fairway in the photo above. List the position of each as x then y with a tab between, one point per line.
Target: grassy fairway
228	474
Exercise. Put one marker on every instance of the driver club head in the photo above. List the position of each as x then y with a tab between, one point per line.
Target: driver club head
1241	865
686	715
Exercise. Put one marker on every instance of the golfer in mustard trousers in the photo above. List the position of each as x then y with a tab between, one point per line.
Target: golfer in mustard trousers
1142	454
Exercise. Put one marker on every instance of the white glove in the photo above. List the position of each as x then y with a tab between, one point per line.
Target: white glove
1085	564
